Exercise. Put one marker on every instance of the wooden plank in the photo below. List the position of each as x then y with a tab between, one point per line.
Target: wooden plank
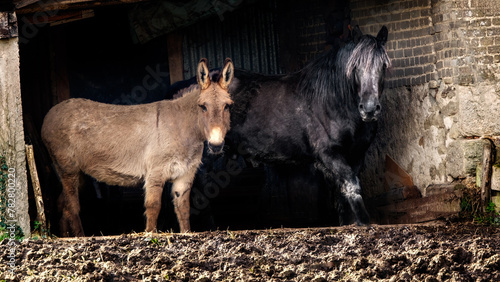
175	59
395	175
435	189
486	175
421	209
37	190
45	6
395	196
59	18
23	3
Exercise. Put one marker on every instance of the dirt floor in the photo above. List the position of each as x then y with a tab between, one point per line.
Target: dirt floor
432	252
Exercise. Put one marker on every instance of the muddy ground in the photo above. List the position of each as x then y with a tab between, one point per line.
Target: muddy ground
433	252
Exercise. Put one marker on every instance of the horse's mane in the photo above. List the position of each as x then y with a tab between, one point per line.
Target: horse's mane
187	90
328	78
182	88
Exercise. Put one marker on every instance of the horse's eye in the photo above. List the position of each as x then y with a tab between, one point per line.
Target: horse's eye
203	108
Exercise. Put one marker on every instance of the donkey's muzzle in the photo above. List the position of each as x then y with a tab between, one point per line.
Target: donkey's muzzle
215	149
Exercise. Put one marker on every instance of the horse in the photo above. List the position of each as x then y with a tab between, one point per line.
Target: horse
126	145
324	115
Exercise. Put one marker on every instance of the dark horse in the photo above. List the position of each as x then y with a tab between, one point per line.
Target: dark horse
324	115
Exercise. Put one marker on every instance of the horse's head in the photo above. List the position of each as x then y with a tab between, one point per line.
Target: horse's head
366	67
214	103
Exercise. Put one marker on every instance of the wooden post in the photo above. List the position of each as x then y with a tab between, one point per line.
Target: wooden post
175	59
486	176
36	190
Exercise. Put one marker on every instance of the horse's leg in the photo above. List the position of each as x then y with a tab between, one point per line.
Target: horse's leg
181	190
70	205
152	202
337	169
350	192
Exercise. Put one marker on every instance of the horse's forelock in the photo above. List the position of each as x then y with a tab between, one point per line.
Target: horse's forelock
367	54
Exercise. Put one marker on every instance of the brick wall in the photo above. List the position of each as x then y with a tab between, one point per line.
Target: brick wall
435	40
442	96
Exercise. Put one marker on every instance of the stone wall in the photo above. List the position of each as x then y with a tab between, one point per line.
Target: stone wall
442	98
12	137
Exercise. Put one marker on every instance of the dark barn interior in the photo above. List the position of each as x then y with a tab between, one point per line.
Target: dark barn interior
109	53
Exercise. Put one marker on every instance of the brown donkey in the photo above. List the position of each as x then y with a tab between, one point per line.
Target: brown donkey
126	145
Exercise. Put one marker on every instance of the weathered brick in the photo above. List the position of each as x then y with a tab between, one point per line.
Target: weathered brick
399	72
398	53
493	31
402	44
485	60
494	49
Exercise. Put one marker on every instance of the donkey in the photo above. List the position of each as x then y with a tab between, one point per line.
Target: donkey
126	145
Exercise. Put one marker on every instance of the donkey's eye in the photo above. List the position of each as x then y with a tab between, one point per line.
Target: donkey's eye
203	108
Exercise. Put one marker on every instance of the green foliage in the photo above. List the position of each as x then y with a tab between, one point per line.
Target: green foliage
471	207
154	241
489	217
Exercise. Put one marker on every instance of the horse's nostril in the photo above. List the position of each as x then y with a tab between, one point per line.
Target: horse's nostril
361	107
378	108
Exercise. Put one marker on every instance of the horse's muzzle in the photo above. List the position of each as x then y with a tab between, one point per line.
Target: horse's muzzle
369	113
215	149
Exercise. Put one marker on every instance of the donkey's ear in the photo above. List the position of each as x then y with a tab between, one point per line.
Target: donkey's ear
382	35
356	34
227	74
202	74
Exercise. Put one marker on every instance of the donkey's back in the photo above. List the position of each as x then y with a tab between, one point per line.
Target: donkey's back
109	142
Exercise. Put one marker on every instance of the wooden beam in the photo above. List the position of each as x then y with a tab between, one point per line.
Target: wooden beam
419	210
59	18
486	175
23	3
40	6
175	59
37	190
395	196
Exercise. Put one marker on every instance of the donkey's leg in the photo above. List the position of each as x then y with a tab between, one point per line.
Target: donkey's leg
70	206
181	190
152	202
